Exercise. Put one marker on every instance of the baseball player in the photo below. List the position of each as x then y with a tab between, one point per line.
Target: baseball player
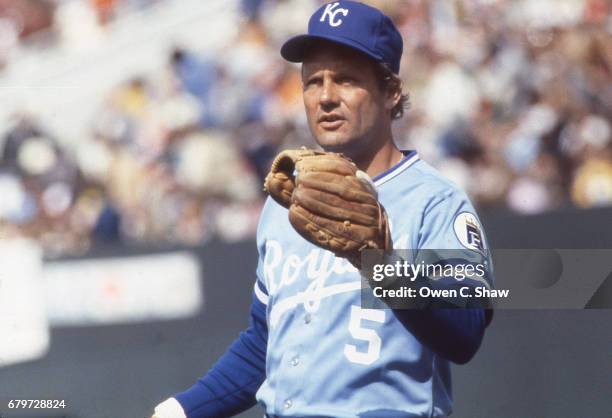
312	349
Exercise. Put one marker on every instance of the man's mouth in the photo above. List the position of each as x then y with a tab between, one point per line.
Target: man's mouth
331	122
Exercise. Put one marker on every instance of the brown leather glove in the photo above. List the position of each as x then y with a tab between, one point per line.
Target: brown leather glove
331	203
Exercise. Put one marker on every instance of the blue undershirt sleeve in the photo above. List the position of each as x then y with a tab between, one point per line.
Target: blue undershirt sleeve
454	334
230	385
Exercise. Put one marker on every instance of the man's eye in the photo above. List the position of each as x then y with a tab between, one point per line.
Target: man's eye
346	80
313	82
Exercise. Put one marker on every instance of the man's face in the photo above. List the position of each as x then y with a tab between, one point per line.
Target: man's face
344	103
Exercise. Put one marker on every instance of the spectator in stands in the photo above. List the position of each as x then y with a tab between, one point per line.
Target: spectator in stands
518	114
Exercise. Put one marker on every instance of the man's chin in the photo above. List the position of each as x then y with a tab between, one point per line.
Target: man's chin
333	143
353	148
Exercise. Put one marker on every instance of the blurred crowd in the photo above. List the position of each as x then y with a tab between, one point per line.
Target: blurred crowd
53	23
512	100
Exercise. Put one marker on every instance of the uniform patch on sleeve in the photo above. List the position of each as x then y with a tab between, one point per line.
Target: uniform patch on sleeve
469	232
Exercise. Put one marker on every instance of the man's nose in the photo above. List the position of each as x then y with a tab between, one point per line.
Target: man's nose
329	94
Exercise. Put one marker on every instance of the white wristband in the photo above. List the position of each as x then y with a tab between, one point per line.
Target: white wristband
170	408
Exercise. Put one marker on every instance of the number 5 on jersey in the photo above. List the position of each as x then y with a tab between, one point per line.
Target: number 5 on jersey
360	333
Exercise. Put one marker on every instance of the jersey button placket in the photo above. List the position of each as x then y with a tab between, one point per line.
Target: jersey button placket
288	404
307	318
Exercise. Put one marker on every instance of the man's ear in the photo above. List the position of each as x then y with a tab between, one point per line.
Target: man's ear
393	95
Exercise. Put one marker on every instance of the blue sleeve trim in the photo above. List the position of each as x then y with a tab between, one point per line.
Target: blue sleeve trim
261	293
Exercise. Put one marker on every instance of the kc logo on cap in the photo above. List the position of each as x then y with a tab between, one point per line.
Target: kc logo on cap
354	25
331	14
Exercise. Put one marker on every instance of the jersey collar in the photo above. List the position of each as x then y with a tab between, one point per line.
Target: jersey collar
410	157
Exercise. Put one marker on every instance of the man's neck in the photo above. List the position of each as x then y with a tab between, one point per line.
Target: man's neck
379	161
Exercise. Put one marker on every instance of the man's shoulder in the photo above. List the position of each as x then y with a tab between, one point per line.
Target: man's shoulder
423	182
272	216
272	208
431	176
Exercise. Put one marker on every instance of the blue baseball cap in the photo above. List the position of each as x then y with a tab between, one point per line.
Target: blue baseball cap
352	24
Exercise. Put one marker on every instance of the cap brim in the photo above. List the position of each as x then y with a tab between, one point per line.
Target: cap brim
295	48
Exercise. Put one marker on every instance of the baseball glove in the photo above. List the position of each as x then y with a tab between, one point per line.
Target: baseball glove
331	203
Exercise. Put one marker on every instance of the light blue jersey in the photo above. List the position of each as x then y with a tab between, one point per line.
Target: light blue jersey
328	357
